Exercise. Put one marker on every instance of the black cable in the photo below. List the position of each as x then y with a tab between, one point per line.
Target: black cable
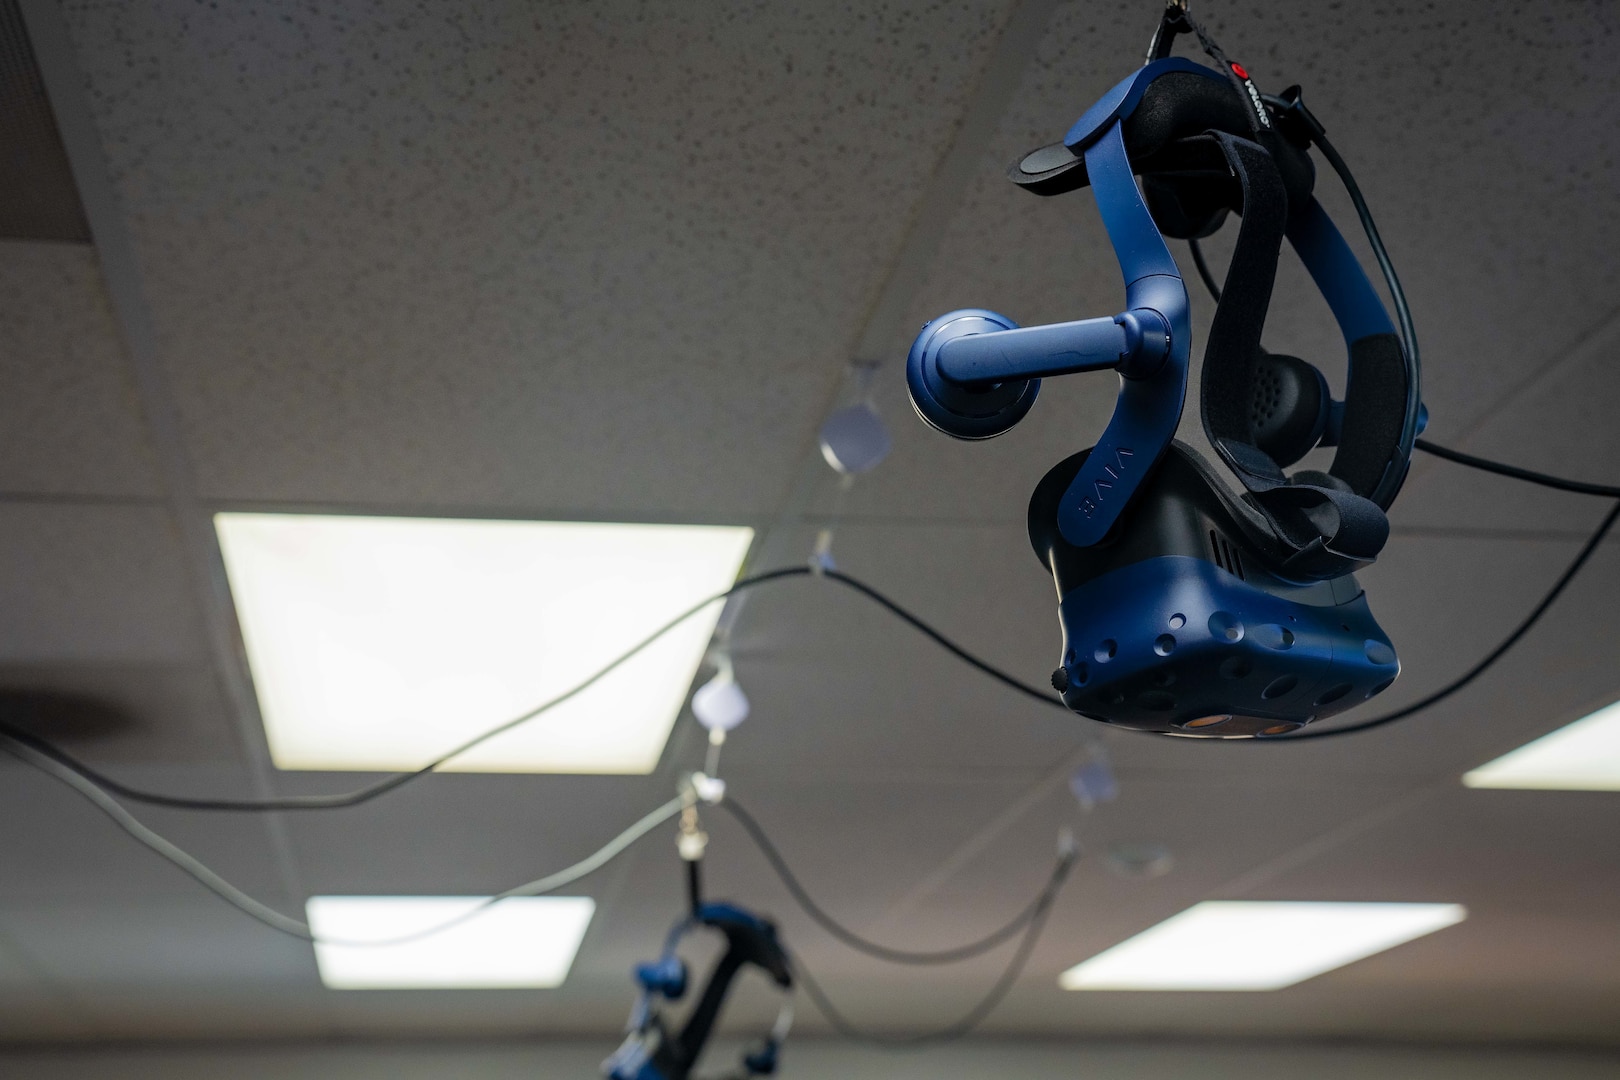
802	897
1490	658
371	791
694	884
1579	487
1403	313
950	1033
1203	268
1043	696
343	800
211	880
1516	473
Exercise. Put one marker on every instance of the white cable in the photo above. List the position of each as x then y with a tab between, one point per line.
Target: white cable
274	919
126	821
551	883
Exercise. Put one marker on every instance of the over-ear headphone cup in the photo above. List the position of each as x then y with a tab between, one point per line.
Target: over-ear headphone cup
1185	208
1288	407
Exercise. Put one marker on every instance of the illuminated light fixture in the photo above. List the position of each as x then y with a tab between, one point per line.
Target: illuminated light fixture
1255	945
1583	756
380	643
523	942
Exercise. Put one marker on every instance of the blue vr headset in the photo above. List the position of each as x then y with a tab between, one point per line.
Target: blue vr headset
1186	609
653	1052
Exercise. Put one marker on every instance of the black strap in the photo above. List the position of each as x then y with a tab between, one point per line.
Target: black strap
1175	21
1326	528
1234	335
1323	524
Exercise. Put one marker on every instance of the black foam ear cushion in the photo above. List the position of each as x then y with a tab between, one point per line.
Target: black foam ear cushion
1288	407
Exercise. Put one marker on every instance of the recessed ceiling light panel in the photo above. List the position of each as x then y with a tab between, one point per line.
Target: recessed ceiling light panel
1583	756
1255	945
517	943
380	643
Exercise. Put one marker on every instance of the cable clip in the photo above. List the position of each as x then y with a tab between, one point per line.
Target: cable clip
708	789
692	840
821	559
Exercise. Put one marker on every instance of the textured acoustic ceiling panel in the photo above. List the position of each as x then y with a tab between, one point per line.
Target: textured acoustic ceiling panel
38	200
611	259
493	235
69	420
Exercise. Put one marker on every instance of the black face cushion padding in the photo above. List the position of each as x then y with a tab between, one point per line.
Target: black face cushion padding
1332	531
1326	529
1288	407
1372	422
1318	478
1250	521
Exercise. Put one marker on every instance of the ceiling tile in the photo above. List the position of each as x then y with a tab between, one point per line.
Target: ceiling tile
597	257
69	420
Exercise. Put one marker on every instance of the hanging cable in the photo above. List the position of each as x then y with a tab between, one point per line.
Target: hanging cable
1579	487
1031	920
1490	658
286	924
365	794
681	804
1013	682
1530	476
126	821
1067	857
1403	313
952	1032
391	783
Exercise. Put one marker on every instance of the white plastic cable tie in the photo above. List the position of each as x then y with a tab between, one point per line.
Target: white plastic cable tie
709	789
821	559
